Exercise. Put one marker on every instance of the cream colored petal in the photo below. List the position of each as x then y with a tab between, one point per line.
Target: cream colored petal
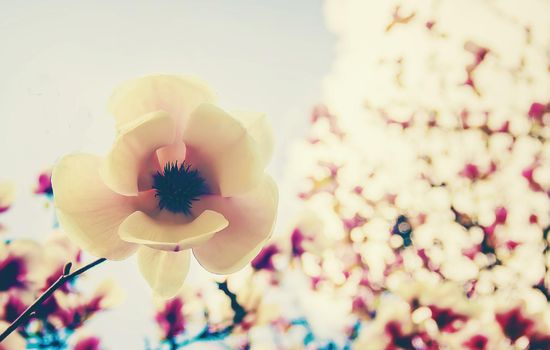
221	148
88	211
176	95
131	163
7	194
164	271
259	127
171	235
251	219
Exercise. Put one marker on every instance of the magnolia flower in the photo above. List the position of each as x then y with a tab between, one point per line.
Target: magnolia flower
21	268
183	175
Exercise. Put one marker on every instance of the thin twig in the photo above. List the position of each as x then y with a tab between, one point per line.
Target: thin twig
65	277
207	334
240	311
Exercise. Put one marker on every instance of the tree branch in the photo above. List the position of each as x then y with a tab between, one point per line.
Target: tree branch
64	278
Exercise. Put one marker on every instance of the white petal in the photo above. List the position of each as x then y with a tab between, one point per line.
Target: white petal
89	212
251	219
259	128
176	95
221	148
164	271
131	163
173	235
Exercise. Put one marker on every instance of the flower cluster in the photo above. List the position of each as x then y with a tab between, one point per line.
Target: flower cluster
423	186
423	193
27	269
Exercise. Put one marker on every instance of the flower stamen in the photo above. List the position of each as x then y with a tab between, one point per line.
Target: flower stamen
177	187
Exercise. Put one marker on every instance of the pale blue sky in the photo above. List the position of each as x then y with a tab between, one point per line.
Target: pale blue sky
60	60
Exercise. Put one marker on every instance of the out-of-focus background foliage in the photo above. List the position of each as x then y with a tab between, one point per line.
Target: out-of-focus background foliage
413	162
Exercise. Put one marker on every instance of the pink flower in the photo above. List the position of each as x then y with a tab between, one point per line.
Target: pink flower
13	273
171	319
447	320
264	260
402	340
88	343
297	239
514	324
477	342
183	175
536	111
13	307
470	171
20	265
44	184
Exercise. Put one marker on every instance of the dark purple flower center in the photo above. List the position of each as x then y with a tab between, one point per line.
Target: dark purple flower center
171	318
447	320
514	324
414	340
177	187
477	342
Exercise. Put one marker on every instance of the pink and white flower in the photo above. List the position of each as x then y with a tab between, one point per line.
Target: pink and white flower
183	175
21	270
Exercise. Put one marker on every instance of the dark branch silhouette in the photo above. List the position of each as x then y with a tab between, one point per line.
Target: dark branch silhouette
64	278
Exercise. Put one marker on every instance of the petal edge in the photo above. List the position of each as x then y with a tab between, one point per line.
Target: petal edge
251	221
140	228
